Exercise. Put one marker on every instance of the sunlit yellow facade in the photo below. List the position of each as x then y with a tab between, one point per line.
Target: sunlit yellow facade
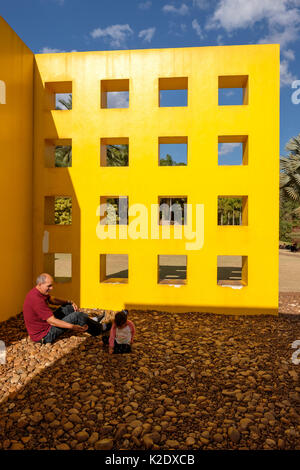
202	124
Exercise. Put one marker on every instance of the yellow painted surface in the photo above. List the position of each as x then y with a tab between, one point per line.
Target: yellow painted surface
144	123
16	151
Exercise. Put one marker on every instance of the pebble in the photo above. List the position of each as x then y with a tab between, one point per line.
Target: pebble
104	444
213	384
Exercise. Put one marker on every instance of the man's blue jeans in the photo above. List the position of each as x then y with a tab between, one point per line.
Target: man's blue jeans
67	314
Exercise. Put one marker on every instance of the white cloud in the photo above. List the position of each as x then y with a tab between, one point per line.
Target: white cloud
196	26
289	54
286	76
202	4
117	99
276	12
49	50
281	17
117	34
147	34
220	40
227	148
145	5
183	10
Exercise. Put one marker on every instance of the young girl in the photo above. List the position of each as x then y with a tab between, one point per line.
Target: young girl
121	334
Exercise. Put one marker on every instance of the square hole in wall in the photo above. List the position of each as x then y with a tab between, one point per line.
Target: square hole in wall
115	93
58	95
172	269
114	151
232	210
173	92
233	90
114	210
59	266
114	268
58	210
232	150
232	271
172	151
172	210
58	153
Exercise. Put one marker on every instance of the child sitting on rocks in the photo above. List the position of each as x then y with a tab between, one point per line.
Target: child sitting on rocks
121	334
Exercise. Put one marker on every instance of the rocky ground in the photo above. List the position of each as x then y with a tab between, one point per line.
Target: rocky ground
193	381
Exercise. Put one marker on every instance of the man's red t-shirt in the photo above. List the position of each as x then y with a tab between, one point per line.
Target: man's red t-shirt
36	313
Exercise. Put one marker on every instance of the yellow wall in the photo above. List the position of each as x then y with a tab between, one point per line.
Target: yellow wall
16	135
202	181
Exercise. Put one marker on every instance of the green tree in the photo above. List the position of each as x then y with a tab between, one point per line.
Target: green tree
168	161
63	211
63	153
290	172
229	210
117	155
63	156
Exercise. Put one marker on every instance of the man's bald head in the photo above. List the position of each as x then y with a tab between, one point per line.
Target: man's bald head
44	283
42	278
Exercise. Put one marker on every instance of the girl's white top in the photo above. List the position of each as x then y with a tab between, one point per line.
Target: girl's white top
123	335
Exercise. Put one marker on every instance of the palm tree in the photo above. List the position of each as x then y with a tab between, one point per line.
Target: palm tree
290	172
66	104
229	210
63	155
117	155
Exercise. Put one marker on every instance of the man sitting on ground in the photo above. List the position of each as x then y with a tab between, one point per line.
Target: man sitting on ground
45	325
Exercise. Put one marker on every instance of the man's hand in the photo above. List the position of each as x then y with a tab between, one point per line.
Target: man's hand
79	328
111	350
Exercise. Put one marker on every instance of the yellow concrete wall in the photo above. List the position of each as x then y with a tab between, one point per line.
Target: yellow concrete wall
202	180
16	148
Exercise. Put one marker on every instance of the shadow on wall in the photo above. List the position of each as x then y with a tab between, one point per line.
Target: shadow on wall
58	251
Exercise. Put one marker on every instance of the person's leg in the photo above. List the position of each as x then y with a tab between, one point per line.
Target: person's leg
63	311
67	314
122	348
76	318
80	318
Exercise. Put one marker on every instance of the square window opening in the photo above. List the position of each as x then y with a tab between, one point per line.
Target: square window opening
172	151
232	271
232	210
59	266
114	152
233	90
58	210
114	268
172	210
58	96
114	210
173	92
172	269
115	93
58	153
232	150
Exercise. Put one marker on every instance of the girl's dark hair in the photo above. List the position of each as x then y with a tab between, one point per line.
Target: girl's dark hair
120	318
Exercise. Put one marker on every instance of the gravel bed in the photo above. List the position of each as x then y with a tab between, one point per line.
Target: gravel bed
193	381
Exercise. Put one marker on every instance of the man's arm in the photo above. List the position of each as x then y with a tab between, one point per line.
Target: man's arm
63	324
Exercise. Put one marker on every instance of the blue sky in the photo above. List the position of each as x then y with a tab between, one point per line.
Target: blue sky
86	25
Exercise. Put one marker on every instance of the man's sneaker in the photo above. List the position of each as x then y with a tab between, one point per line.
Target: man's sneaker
98	318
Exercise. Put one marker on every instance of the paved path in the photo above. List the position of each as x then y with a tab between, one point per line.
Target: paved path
289	271
289	267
